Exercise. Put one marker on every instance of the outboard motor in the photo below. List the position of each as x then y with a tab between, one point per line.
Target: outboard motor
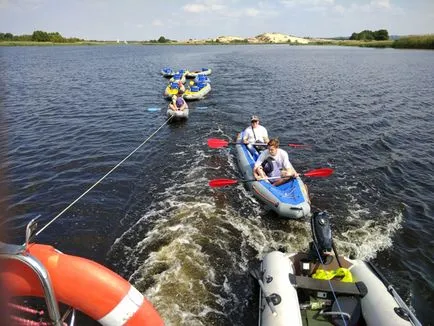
321	231
322	237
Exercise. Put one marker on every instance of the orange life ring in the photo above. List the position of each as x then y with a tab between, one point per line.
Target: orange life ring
83	284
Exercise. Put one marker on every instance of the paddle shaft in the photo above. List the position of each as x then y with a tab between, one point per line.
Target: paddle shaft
218	143
159	109
288	177
318	173
269	178
265	144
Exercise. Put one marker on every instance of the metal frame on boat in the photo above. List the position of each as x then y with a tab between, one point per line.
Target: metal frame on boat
35	270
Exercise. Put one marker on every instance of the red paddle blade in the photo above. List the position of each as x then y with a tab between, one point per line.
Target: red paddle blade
222	182
217	143
299	146
324	172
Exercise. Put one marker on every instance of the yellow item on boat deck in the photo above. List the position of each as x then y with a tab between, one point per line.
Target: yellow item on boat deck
343	273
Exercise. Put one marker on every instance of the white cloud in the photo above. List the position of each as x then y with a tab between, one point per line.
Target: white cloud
306	3
194	7
203	7
157	22
373	6
317	9
288	3
221	11
4	3
216	7
22	4
318	2
339	9
380	3
252	12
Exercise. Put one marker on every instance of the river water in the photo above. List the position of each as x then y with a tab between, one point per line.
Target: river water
70	114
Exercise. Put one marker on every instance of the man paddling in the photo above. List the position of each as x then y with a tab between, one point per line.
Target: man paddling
255	133
274	163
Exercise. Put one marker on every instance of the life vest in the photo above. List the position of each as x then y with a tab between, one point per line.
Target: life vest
344	273
82	284
179	101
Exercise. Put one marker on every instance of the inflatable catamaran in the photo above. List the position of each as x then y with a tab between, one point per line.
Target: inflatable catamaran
322	288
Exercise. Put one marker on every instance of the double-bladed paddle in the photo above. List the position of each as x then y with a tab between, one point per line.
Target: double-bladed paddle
159	109
218	143
317	173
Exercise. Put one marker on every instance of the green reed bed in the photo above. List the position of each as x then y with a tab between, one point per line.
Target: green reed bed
415	42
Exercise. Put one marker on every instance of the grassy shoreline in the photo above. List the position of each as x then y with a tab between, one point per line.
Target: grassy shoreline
411	42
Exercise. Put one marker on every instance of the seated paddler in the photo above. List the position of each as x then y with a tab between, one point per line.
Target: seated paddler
254	134
273	165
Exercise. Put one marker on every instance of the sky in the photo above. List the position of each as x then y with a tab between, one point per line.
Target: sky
201	19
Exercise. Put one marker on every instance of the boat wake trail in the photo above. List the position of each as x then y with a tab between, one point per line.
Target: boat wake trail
190	250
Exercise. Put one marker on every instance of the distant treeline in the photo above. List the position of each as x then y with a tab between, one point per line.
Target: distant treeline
56	37
39	36
366	35
161	39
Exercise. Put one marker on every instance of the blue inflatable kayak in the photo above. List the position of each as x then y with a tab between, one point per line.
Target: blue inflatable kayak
289	200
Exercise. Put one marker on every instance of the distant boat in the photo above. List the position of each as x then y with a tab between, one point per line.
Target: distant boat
203	71
167	72
125	42
198	91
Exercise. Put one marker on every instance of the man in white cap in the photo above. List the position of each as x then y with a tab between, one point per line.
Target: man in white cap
255	133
